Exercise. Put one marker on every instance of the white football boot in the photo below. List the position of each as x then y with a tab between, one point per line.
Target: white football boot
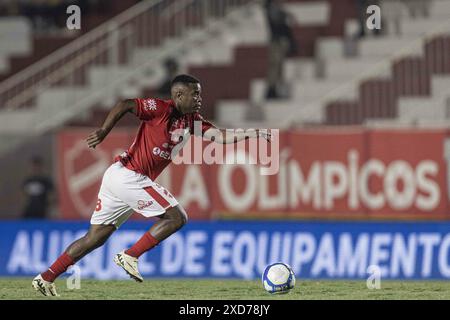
44	287
129	264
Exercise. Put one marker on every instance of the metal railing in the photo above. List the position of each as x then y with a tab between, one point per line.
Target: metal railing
145	25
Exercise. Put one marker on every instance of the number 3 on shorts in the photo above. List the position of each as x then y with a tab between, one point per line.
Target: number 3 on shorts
99	205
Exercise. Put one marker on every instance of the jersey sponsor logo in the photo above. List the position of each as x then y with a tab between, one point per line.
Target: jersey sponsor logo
156	151
144	204
163	154
150	105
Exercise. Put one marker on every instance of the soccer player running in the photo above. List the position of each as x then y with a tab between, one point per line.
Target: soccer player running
128	184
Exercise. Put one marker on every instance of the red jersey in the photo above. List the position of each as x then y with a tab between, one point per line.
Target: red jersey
158	134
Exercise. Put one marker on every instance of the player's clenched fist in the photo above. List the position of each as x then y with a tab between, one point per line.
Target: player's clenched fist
96	137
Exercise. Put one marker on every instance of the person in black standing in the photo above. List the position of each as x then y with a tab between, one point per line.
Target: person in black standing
281	44
37	188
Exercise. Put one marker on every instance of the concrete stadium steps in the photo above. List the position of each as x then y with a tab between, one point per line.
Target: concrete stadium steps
343	112
9	121
150	78
50	106
415	109
216	51
399	123
376	99
253	19
306	103
402	70
309	13
411	76
258	89
437	51
226	55
15	40
4	64
278	112
409	83
97	115
142	55
408	88
251	60
99	76
306	91
230	110
349	83
437	106
224	63
367	47
220	81
300	69
440	85
345	69
15	35
388	46
272	113
440	8
297	71
34	47
421	26
330	47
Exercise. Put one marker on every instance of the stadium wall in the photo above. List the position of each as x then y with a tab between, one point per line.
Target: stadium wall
239	249
352	174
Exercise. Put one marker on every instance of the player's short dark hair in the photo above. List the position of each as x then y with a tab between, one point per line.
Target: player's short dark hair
184	79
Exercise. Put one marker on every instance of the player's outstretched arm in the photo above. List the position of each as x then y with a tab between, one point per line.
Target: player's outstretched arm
113	117
226	136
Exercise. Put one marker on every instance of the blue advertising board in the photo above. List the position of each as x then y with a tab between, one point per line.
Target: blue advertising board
240	249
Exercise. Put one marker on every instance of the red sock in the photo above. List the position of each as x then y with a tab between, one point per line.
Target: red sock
145	243
59	266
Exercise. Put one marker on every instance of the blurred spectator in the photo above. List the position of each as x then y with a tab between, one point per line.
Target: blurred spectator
282	44
171	69
37	188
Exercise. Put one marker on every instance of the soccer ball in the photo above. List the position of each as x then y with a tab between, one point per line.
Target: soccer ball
278	278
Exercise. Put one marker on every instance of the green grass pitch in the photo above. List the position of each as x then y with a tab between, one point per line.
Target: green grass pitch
199	289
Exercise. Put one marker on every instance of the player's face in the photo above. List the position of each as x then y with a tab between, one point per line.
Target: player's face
191	100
